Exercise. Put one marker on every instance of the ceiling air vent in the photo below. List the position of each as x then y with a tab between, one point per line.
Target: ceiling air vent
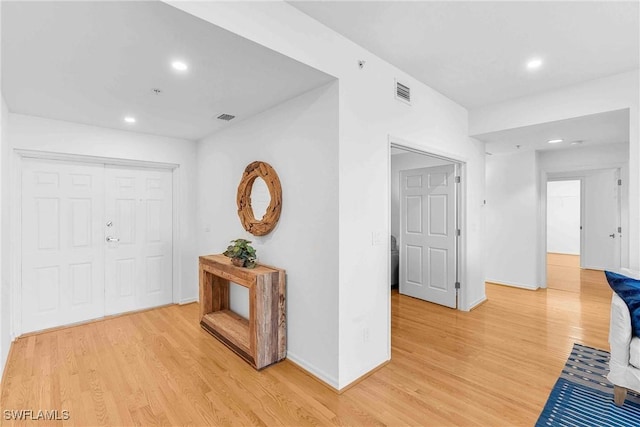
403	92
226	117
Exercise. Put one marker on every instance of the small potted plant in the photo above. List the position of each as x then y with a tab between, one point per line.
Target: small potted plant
242	254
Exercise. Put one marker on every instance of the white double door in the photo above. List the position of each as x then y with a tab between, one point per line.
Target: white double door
96	241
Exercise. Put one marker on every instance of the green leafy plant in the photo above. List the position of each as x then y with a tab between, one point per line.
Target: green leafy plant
242	252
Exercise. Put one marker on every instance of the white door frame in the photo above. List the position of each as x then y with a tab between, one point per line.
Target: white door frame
461	165
15	196
577	173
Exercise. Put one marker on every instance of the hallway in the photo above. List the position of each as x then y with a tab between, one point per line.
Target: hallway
564	274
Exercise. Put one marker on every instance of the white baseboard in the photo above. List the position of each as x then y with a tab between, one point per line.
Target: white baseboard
316	372
513	284
362	375
188	301
477	302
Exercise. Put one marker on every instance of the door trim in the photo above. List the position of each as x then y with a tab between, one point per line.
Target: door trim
81	158
460	166
15	196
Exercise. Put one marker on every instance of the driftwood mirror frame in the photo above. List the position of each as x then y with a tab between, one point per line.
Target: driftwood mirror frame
259	227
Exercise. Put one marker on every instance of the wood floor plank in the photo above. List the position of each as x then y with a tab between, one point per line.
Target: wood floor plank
493	366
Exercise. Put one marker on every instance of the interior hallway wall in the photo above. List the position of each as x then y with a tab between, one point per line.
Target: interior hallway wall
5	315
299	138
5	296
369	117
511	217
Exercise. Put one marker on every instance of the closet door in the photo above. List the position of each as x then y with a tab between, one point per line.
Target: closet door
138	236
62	243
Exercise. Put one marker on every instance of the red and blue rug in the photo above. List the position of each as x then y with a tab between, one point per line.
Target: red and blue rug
583	396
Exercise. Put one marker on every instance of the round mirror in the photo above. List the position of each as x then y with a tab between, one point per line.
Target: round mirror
259	196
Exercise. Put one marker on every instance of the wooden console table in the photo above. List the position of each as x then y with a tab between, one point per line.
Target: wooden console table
261	340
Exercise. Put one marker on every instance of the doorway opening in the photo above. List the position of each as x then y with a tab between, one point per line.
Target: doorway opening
583	225
564	234
425	225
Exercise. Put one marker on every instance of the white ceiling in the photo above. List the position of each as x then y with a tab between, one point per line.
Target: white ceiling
474	52
596	129
96	62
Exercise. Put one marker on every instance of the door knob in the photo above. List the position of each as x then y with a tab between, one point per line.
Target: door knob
613	236
112	239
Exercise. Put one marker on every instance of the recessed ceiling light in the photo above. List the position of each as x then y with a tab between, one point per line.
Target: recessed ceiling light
179	65
554	141
130	119
534	64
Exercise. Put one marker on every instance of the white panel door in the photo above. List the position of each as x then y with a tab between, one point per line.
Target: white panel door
601	246
138	221
62	243
428	234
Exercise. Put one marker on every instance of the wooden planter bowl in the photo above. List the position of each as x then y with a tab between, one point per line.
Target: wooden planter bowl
238	262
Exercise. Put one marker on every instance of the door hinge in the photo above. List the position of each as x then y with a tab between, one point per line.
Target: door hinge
457	285
457	180
619	229
458	232
619	182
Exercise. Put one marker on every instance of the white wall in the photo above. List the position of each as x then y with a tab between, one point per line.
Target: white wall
5	315
34	133
402	162
596	96
584	158
511	216
299	138
563	217
368	116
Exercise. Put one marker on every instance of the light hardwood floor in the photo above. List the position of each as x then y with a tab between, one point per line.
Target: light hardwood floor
564	273
494	366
